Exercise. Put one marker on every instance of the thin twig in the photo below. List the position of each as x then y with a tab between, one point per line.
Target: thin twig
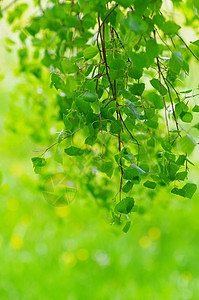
138	144
65	137
167	123
8	5
187	46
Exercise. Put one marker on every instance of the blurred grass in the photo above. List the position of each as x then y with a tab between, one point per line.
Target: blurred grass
73	252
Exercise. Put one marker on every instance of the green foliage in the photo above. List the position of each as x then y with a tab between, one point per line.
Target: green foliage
115	73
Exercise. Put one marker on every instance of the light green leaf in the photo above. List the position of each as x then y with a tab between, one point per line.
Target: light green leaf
187	144
158	86
117	64
195	108
59	156
132	109
175	63
90	52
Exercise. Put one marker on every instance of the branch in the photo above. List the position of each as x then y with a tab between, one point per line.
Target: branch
8	5
187	46
165	109
45	150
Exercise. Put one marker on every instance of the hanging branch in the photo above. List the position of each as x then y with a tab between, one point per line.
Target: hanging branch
166	118
187	46
65	137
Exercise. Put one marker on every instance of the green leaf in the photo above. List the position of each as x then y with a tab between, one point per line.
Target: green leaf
90	52
196	126
187	191
107	167
158	86
132	109
187	144
166	145
135	72
157	101
59	156
137	89
38	162
126	227
116	127
195	108
175	63
127	187
186	117
74	151
181	159
125	206
150	184
90	97
181	175
196	43
90	140
136	24
152	49
130	173
67	122
181	107
170	27
117	64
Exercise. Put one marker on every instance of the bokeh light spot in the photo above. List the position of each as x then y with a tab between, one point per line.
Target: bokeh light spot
154	233
17	169
62	211
17	242
82	254
69	259
186	277
145	242
12	204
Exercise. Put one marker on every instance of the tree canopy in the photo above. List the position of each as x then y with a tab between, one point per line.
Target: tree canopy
105	87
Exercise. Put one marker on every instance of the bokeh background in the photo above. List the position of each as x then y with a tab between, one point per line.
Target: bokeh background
72	252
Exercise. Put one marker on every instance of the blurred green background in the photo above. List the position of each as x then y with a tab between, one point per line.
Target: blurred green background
73	252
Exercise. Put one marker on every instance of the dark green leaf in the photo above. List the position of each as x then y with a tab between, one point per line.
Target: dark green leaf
126	227
150	184
107	167
117	64
74	151
181	175
195	108
90	97
125	206
116	127
127	187
137	89
187	191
